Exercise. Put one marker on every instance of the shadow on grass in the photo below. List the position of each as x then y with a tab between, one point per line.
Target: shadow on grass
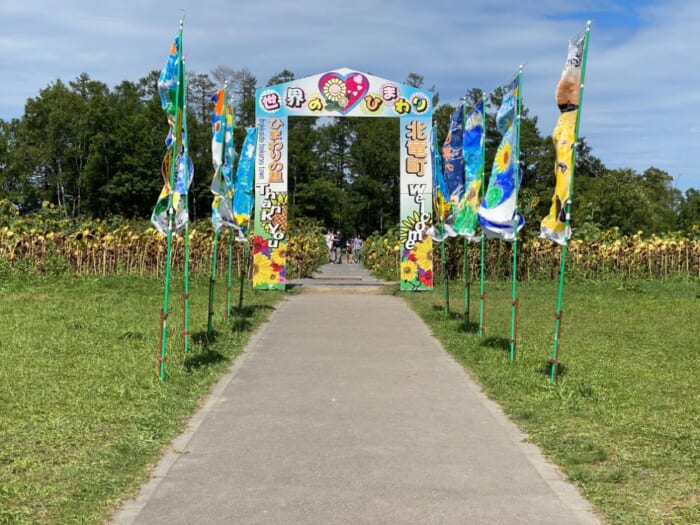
205	339
206	358
546	369
241	317
471	327
499	343
248	311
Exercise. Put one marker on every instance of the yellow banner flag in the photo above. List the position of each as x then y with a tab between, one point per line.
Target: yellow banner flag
555	225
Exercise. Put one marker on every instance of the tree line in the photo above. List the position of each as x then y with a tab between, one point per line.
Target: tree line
96	151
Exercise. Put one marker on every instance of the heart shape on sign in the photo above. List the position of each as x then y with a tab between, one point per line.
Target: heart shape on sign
343	92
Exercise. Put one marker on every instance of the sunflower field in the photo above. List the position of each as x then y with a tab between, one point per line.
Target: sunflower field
613	255
51	243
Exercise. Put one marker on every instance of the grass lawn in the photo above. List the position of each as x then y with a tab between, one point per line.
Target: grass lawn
623	422
84	414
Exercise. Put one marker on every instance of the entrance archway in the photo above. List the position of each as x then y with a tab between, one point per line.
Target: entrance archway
342	93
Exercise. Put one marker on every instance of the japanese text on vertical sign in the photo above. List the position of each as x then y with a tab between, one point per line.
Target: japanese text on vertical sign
262	134
416	148
275	147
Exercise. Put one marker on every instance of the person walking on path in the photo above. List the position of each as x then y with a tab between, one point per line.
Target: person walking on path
338	246
329	245
357	248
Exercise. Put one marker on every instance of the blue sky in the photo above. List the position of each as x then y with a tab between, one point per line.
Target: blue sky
641	102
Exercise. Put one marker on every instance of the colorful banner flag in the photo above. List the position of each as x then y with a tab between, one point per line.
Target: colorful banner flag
466	215
554	226
243	197
271	205
453	170
416	182
171	87
497	212
223	153
440	193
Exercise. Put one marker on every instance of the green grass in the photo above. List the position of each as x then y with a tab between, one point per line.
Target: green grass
623	421
83	414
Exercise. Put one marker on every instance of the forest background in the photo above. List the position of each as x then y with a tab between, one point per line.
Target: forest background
95	152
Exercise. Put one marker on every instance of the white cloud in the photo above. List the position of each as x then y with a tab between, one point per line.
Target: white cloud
641	96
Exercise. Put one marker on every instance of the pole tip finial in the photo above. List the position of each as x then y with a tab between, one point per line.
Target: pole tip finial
588	24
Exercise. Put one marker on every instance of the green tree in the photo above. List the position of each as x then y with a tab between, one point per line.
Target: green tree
441	120
244	86
302	162
376	169
689	212
15	186
664	198
619	201
200	89
137	147
58	127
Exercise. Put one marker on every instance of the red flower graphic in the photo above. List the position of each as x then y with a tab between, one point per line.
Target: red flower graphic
426	278
259	244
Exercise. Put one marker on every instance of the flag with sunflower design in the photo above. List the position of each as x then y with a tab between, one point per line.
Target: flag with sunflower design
466	215
172	91
554	226
223	153
243	198
497	213
440	193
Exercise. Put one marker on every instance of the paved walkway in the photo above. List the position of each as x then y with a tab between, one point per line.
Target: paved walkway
342	278
344	410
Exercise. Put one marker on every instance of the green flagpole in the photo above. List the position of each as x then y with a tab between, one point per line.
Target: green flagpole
229	285
482	287
230	275
186	290
467	282
215	249
244	271
443	264
514	291
246	244
212	283
560	293
171	182
445	281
